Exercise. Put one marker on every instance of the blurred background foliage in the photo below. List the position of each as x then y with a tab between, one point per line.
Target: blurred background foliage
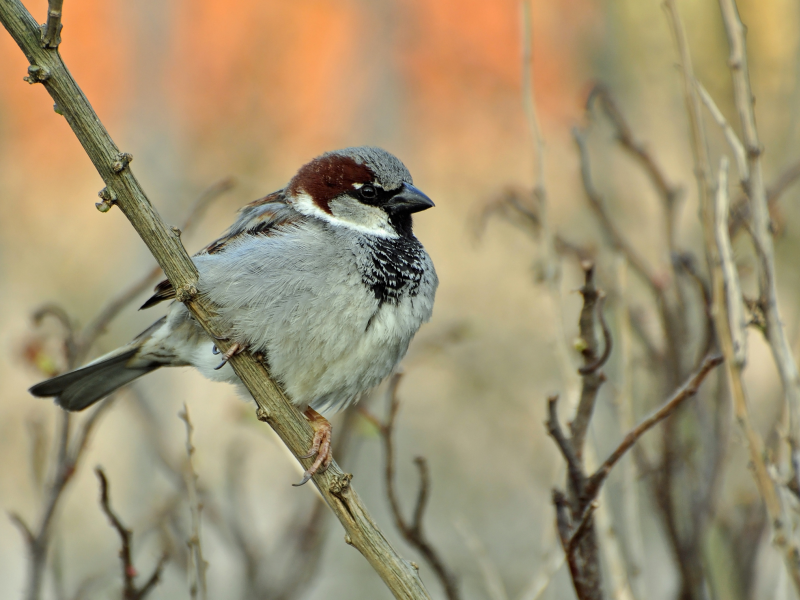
198	91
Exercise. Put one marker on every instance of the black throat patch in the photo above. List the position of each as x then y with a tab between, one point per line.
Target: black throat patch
391	267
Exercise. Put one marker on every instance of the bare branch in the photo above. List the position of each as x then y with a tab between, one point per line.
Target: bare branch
59	314
423	493
730	135
197	564
574	466
574	516
687	390
612	233
529	103
730	275
607	341
412	532
594	378
693	108
129	589
668	192
27	534
66	464
762	236
583	562
740	212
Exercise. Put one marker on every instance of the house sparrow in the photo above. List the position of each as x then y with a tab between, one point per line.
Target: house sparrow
323	278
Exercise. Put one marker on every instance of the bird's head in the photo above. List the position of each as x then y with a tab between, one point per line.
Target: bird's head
364	188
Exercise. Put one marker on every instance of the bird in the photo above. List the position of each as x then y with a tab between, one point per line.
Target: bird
324	279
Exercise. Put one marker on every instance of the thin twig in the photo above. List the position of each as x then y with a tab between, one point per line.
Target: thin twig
623	401
574	518
594	377
129	589
608	343
612	233
584	571
550	263
197	564
492	580
687	539
687	390
287	570
740	211
575	472
733	291
669	193
71	446
412	532
730	135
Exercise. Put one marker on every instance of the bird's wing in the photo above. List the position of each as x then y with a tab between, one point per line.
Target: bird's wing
265	216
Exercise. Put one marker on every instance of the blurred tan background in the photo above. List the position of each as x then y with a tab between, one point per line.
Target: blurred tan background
198	91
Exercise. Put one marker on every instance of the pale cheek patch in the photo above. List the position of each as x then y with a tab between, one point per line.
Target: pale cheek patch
348	212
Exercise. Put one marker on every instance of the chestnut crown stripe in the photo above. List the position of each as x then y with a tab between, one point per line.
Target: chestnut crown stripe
329	176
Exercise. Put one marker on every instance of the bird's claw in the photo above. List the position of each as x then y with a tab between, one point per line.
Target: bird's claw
320	447
235	349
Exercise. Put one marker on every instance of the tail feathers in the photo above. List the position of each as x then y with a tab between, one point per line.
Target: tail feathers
83	387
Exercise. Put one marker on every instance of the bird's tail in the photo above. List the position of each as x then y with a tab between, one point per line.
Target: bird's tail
83	387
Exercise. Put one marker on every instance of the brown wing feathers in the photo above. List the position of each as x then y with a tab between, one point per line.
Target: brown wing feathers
262	216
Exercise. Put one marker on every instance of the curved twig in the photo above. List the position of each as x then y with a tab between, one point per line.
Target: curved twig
412	531
129	589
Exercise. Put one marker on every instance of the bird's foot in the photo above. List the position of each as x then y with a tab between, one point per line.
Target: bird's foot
235	349
320	447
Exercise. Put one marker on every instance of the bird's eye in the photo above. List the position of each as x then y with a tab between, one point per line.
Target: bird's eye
368	192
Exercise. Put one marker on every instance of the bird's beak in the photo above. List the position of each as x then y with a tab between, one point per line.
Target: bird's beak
409	200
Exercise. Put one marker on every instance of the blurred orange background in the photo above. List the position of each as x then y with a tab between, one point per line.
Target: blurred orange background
198	91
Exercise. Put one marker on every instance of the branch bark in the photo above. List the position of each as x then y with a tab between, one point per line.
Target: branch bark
122	189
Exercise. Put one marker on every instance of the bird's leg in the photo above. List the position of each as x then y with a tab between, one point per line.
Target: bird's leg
321	446
235	349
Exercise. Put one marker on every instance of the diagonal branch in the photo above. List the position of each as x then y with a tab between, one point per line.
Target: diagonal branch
669	193
611	231
740	211
687	390
124	191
